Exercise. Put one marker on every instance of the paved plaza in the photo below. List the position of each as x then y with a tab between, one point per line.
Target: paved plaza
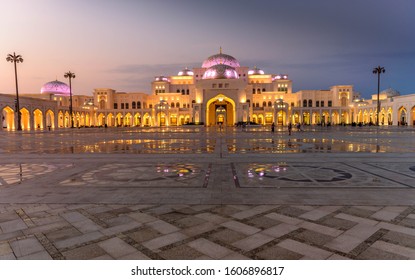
202	193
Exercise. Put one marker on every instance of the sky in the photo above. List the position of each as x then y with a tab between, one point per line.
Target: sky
124	44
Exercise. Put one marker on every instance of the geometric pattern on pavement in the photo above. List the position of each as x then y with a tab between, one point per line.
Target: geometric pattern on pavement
96	231
17	173
307	174
144	175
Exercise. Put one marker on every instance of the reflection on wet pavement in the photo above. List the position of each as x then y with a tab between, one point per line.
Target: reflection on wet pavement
202	140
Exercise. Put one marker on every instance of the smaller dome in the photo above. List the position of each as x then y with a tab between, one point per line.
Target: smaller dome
186	72
161	79
256	71
220	71
280	77
55	87
390	92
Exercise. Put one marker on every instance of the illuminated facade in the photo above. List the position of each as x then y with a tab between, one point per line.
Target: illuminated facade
221	91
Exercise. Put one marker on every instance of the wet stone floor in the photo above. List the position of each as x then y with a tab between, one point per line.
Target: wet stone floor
204	193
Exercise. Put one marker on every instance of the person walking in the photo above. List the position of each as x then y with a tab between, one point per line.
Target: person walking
272	127
290	127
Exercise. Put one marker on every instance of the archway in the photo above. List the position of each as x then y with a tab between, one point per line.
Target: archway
306	118
50	119
8	118
162	119
38	119
295	118
110	120
229	110
127	119
173	119
402	116
119	119
147	119
413	116
137	119
261	119
25	119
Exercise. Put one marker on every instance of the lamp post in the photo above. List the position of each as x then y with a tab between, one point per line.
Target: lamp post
13	58
378	70
71	76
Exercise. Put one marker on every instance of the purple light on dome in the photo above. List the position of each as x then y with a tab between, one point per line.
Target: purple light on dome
55	87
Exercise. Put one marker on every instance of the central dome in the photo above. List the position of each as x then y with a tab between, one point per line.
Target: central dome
55	87
220	58
220	71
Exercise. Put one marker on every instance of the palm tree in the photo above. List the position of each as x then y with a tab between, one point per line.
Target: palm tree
71	76
13	58
378	70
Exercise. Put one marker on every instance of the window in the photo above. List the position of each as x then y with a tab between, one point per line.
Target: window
322	103
172	104
138	105
220	85
269	104
126	105
115	105
213	85
182	91
133	105
178	90
122	105
292	104
150	106
317	103
263	90
177	105
258	91
305	103
187	92
330	103
264	104
310	103
253	91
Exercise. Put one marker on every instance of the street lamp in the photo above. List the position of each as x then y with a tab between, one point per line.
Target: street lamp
378	70
13	58
71	76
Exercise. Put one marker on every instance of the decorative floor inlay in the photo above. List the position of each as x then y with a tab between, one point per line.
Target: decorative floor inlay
145	175
307	175
17	173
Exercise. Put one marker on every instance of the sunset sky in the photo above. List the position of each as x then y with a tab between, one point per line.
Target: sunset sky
123	44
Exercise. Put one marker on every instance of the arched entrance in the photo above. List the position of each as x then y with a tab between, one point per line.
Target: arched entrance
25	119
8	118
38	119
50	119
402	116
226	113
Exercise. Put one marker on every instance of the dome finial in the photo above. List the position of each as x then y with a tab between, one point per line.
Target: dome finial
220	49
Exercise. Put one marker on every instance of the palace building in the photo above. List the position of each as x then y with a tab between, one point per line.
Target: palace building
220	92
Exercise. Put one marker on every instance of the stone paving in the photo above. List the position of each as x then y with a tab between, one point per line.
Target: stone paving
200	193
